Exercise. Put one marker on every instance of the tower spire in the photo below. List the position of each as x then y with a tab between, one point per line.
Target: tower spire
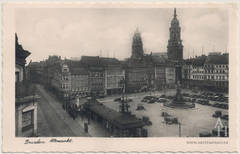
175	47
175	13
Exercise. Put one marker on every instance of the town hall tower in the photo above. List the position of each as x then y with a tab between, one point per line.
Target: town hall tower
175	47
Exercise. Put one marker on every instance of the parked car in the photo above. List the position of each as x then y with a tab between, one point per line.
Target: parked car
163	96
129	100
147	97
118	99
186	94
171	120
140	107
151	101
225	117
203	102
193	100
164	114
217	114
144	100
162	100
170	97
146	120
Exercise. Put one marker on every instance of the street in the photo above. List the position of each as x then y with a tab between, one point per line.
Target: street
53	121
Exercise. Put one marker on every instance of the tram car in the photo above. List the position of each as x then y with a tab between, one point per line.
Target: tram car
75	107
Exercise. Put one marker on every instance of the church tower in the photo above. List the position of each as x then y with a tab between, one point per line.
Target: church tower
175	47
137	46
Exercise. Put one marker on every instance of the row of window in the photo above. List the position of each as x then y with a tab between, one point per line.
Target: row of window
210	77
65	86
80	89
210	71
79	76
216	66
96	74
221	66
65	78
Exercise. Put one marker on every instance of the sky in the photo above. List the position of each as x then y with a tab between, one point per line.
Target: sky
108	32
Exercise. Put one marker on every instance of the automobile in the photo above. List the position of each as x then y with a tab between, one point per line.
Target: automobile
194	91
224	106
129	100
100	96
217	114
140	107
147	97
163	96
194	96
170	97
216	105
144	100
162	100
225	117
187	99
151	101
205	134
118	99
203	102
146	120
164	114
186	94
171	120
193	100
154	98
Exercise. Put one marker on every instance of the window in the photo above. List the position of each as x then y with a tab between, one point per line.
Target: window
27	120
17	76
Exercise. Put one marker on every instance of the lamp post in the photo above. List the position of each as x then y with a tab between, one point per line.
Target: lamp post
124	102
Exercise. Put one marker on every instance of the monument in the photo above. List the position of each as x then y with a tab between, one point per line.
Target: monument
178	101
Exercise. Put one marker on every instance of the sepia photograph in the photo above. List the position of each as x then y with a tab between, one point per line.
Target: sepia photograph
125	75
122	72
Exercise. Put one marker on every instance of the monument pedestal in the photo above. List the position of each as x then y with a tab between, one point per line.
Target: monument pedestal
179	102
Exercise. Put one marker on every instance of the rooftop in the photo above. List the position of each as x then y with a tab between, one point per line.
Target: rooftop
217	59
122	121
78	71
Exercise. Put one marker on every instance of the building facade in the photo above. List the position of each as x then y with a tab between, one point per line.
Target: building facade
79	81
139	69
25	99
160	76
114	73
207	72
170	76
217	71
96	75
